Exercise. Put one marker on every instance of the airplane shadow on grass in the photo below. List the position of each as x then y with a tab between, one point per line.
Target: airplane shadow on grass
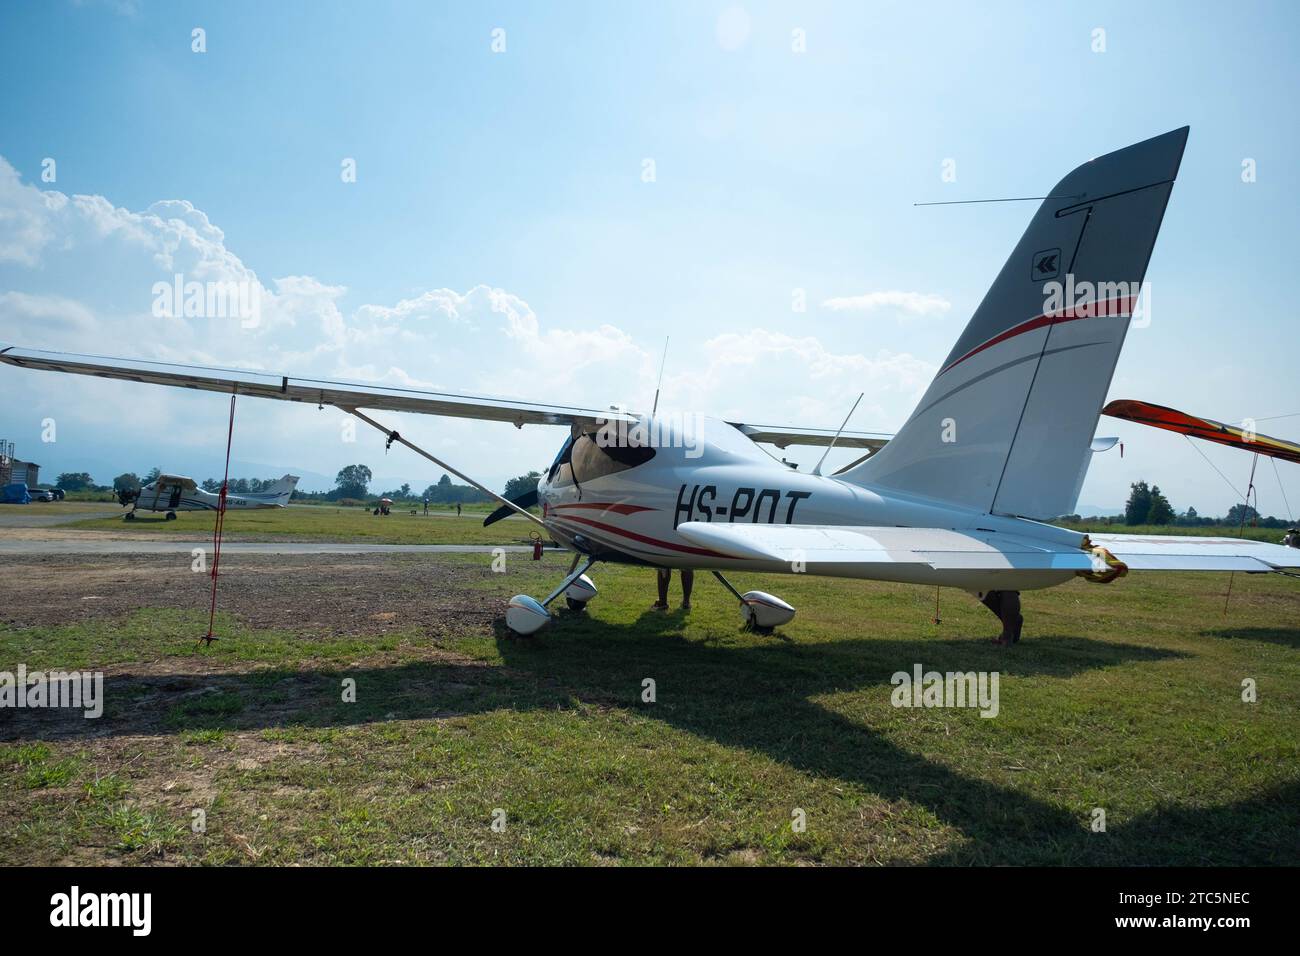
756	698
1286	636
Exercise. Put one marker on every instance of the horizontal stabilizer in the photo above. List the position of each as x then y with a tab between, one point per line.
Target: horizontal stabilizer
1175	552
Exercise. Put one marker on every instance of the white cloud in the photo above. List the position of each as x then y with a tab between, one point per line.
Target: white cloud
732	28
35	316
816	386
912	303
25	217
81	273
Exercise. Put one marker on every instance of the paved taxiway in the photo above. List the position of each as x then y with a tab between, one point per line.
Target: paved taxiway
24	518
120	546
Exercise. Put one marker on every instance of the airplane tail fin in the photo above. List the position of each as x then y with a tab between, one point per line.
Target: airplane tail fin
1006	425
278	493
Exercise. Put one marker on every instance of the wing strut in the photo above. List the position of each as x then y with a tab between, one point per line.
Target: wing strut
727	584
395	437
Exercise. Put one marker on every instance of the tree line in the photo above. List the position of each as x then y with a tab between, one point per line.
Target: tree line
1147	505
352	483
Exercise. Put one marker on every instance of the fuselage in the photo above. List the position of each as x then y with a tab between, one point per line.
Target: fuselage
627	503
166	496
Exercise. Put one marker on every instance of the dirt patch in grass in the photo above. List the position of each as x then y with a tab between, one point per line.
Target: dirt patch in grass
191	732
319	594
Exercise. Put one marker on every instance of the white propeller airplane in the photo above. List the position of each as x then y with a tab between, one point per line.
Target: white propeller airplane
173	493
999	443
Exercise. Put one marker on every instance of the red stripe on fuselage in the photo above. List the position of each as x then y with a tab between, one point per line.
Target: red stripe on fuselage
646	539
1108	307
617	509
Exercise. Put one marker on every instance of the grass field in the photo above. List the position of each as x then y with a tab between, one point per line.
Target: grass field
1125	697
325	523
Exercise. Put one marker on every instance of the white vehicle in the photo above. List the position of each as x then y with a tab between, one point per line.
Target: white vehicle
1000	442
173	493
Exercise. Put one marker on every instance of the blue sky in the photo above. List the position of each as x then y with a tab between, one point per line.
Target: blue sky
520	175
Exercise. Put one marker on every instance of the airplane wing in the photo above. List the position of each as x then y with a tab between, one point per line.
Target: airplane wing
822	548
783	436
380	397
313	391
1170	419
837	549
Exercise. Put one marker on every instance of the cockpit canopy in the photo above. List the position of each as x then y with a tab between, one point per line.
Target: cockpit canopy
617	446
584	457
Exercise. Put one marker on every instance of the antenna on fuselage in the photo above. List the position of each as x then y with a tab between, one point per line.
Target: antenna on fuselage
818	469
662	362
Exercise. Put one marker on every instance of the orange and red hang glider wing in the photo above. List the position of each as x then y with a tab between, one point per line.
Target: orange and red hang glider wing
1207	429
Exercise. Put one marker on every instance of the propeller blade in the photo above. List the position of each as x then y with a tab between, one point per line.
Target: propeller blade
526	500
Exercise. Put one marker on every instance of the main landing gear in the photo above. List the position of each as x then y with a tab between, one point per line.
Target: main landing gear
1006	605
762	611
526	615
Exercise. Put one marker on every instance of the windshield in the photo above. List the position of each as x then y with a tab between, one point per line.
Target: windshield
584	458
561	457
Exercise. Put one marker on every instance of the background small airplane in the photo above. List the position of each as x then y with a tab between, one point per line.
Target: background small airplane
173	493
